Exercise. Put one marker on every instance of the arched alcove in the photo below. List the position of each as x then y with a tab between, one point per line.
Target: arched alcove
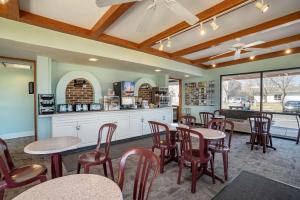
142	81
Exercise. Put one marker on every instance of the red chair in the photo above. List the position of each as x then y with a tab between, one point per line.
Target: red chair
220	146
298	121
188	120
97	157
260	132
13	177
198	157
168	144
147	165
205	117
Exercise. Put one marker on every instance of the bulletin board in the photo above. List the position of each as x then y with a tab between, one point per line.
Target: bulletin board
200	93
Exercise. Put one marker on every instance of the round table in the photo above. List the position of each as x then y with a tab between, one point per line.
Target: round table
209	135
75	187
53	146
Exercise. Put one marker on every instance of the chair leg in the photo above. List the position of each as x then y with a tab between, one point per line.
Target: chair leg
298	138
2	192
225	164
270	139
180	170
263	138
194	177
162	160
111	169
105	170
253	136
213	155
212	171
78	168
86	169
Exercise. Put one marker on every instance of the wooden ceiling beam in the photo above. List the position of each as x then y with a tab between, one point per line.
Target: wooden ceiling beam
204	15
10	9
258	57
55	25
273	43
260	27
113	13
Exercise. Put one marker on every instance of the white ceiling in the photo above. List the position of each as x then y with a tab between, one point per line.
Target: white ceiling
82	13
85	14
27	51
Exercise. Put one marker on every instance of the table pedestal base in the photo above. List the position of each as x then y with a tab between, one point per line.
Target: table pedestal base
205	171
56	165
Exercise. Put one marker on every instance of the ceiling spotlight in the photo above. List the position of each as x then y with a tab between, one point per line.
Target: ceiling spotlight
3	1
288	51
202	29
214	65
161	46
157	70
214	24
93	59
262	6
252	57
186	76
169	43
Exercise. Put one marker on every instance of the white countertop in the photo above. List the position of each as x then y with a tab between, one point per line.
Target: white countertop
210	134
75	187
52	145
98	112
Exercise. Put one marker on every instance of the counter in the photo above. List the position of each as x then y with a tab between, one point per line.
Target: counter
85	125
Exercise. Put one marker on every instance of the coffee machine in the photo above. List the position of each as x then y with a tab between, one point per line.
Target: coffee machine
125	90
160	96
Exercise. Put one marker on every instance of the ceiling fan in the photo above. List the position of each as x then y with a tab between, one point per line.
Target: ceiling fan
172	5
239	47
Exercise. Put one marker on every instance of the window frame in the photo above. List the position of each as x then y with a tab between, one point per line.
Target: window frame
261	88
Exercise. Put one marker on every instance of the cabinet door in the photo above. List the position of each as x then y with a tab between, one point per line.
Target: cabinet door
123	128
167	115
150	115
104	118
88	132
63	128
136	124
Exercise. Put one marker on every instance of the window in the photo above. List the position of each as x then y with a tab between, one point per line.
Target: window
241	92
277	97
174	93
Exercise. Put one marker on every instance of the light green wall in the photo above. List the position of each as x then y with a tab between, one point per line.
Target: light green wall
16	104
284	62
104	76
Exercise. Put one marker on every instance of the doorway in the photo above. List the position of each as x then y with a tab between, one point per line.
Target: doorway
175	90
17	102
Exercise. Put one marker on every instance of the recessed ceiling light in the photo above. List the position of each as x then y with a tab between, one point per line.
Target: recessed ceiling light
252	57
3	1
288	51
186	76
262	6
93	59
214	65
157	70
214	24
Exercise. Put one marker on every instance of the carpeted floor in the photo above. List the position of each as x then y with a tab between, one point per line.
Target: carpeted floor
282	165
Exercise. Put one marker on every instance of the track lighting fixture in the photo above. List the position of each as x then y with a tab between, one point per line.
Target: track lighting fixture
202	29
214	65
288	51
169	43
161	46
214	24
3	2
262	6
252	57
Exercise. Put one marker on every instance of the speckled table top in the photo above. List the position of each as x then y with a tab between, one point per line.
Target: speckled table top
52	145
211	134
75	187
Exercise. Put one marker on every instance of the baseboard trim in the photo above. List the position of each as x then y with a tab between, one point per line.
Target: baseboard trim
17	135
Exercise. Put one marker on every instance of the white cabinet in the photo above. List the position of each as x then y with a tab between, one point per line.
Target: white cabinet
130	123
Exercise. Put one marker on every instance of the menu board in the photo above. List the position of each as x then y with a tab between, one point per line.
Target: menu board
200	93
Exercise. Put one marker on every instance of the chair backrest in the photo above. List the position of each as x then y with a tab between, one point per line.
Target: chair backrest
217	124
217	112
265	114
110	129
6	163
205	117
259	124
146	171
188	120
156	129
187	145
